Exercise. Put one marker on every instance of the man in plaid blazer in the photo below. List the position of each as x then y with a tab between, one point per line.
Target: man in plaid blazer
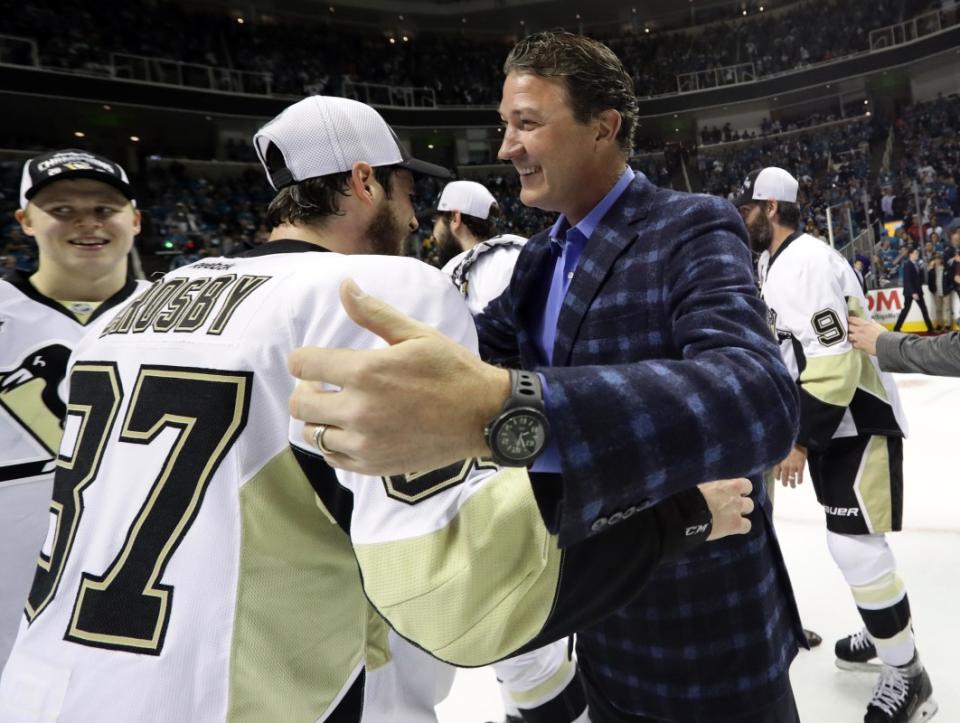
639	312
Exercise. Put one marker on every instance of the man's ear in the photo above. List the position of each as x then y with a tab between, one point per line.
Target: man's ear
607	124
456	220
360	183
23	218
136	221
772	208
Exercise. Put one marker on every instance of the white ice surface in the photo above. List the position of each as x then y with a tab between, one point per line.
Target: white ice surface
928	555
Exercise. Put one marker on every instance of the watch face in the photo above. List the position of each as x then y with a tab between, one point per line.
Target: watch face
521	436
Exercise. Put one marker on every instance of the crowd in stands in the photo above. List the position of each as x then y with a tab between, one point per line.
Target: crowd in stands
316	56
186	217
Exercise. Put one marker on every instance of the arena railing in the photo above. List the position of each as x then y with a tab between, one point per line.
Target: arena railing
916	28
191	75
861	245
15	50
909	30
716	77
397	96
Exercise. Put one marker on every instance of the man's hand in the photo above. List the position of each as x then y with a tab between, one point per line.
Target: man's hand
863	334
418	405
729	503
790	471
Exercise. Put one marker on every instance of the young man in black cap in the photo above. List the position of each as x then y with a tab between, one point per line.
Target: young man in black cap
79	209
851	435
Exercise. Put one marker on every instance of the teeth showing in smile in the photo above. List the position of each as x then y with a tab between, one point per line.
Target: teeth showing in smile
527	171
88	242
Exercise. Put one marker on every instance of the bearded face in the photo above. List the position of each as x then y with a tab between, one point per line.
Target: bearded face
759	228
447	243
387	231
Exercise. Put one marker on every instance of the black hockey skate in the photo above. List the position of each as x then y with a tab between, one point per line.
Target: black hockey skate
902	695
855	652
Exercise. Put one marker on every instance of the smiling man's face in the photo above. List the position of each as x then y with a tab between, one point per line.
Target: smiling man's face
554	154
82	227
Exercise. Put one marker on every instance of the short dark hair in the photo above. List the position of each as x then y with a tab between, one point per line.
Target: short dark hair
594	76
482	228
314	200
788	214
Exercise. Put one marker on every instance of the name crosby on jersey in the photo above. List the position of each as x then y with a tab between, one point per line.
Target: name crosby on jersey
184	304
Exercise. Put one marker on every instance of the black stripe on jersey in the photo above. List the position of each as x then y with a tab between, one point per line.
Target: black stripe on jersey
889	621
281	246
350	707
818	421
873	415
21	282
27	469
335	497
783	247
608	570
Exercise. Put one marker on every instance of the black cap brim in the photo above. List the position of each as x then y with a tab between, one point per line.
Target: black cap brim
125	188
423	168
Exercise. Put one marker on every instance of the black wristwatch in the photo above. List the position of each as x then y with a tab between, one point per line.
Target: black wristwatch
519	432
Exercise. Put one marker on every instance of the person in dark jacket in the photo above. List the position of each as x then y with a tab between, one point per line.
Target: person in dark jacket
912	291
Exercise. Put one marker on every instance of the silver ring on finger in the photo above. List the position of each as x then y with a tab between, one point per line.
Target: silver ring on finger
318	439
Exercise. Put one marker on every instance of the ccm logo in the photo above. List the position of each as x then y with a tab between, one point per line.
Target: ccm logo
696	529
842	511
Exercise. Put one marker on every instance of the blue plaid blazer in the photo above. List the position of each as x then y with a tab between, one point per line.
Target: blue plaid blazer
665	374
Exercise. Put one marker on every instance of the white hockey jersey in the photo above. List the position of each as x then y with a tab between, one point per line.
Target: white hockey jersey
483	272
37	335
199	568
809	290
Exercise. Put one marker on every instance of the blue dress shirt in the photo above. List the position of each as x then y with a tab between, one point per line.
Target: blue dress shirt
567	243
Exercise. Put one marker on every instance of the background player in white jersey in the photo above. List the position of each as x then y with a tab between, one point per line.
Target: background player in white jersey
78	207
542	685
480	260
851	435
200	569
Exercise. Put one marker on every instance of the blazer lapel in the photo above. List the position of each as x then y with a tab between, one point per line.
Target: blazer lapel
529	288
612	236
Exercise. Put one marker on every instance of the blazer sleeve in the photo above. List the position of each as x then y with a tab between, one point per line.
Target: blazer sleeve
938	355
497	333
633	434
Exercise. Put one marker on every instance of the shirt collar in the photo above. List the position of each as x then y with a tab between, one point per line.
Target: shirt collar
589	223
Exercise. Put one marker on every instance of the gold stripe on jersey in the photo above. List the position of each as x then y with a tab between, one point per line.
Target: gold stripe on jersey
470	592
548	689
832	379
300	612
873	486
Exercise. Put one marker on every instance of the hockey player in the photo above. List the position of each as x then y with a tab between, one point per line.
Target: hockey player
542	685
851	435
201	569
464	225
78	207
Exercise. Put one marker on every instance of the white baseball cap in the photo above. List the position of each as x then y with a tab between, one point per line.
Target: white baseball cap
768	184
322	135
467	197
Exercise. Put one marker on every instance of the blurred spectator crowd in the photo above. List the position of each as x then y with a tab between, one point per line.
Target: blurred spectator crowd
316	56
188	215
